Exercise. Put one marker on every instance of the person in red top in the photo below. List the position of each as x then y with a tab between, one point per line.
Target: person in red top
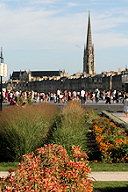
7	96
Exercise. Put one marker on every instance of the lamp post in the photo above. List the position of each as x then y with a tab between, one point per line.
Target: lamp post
3	73
1	97
1	84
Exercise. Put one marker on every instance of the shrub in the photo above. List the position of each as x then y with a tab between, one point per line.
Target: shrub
69	128
112	140
23	130
50	169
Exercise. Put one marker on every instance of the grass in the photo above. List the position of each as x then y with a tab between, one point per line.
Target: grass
95	167
5	166
108	167
110	186
71	127
23	130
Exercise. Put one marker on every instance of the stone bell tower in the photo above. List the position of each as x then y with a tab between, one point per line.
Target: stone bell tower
89	57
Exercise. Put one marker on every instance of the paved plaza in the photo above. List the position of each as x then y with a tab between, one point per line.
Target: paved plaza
121	116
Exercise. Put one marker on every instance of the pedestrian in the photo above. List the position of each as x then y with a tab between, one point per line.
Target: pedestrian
82	96
108	97
126	105
12	101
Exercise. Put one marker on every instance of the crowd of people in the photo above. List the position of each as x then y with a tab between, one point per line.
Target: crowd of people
83	96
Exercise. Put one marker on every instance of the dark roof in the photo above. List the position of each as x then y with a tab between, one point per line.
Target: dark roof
45	73
97	75
16	74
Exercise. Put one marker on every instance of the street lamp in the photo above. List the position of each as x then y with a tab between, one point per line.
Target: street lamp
3	73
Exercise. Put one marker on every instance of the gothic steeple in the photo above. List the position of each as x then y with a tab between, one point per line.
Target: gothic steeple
89	58
89	37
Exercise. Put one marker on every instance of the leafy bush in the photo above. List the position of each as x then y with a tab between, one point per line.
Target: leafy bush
50	169
69	128
23	130
112	140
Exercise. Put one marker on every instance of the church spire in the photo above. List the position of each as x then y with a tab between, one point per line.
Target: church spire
89	58
89	37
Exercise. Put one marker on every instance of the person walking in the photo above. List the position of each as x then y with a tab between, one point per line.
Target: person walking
126	105
82	96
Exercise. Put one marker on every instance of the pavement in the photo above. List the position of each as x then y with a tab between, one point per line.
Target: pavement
109	176
96	176
121	116
3	173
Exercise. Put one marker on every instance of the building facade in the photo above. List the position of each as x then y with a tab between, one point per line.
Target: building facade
104	81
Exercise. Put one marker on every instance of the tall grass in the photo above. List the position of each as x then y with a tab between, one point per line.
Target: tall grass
23	130
70	127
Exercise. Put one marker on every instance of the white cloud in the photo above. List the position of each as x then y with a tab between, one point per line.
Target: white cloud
2	5
28	28
70	4
110	40
39	29
108	20
41	1
107	29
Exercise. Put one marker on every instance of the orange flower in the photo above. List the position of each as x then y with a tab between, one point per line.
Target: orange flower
95	161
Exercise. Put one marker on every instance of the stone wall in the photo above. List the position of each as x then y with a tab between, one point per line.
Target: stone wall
86	83
112	108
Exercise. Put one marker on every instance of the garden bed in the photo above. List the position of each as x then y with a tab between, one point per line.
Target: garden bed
25	129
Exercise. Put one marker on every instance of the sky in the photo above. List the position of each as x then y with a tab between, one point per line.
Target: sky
50	35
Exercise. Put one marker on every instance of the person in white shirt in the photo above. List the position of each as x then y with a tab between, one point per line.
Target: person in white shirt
82	96
126	105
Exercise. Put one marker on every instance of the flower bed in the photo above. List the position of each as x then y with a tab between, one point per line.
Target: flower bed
111	139
50	169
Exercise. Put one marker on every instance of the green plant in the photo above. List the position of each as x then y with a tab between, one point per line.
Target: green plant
71	127
20	100
30	100
5	166
50	169
22	130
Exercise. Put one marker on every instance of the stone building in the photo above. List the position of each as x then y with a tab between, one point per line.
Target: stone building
30	80
60	80
23	76
89	57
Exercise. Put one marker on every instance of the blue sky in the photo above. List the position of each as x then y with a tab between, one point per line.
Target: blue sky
50	34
